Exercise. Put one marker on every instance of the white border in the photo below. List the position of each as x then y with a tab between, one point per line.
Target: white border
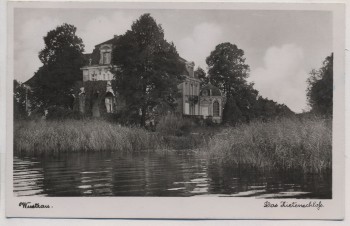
195	207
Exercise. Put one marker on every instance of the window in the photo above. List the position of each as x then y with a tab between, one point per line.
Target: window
94	76
106	57
105	54
192	109
104	60
216	109
109	102
187	108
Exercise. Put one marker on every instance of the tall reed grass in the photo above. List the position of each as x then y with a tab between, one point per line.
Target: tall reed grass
303	145
80	135
284	144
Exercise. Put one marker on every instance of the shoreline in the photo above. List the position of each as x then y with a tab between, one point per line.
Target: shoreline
286	143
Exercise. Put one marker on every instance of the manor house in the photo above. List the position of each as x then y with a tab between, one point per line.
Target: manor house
97	96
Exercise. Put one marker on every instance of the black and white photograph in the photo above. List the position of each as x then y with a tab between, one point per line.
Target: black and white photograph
174	102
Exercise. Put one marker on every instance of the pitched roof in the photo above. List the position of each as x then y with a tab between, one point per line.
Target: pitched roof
95	55
110	41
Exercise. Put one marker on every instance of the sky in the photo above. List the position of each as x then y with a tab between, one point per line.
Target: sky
280	47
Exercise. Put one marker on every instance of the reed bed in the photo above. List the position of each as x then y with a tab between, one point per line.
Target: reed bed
33	137
303	145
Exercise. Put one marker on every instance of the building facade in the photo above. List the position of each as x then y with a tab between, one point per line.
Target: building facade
206	101
97	96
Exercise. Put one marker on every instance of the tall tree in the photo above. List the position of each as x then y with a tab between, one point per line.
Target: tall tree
227	68
320	88
148	68
62	59
228	71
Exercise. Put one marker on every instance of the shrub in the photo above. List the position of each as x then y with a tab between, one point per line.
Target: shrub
209	121
60	113
172	124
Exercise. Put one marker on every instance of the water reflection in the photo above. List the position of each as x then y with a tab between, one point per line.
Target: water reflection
171	173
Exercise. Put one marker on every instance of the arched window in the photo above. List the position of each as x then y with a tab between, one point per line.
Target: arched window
216	109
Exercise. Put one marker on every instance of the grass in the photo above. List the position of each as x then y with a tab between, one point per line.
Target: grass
80	135
303	145
46	136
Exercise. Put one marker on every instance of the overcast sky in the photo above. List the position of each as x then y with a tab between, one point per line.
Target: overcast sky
281	47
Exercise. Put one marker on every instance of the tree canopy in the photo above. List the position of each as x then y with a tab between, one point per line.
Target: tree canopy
227	68
62	59
148	68
320	88
228	71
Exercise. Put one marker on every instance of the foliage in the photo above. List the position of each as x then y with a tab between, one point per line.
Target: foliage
60	113
60	44
96	91
320	88
231	113
227	68
200	73
62	59
285	144
20	96
172	124
266	109
148	67
228	71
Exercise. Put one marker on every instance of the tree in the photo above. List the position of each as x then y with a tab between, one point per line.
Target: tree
62	59
267	109
202	76
148	68
227	68
20	97
228	71
231	113
320	88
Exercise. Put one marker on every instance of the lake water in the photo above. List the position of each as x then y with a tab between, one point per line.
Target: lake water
162	173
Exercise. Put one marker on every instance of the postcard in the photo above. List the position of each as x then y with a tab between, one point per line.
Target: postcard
175	110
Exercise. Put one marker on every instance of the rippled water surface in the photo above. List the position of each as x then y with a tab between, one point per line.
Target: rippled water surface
170	173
